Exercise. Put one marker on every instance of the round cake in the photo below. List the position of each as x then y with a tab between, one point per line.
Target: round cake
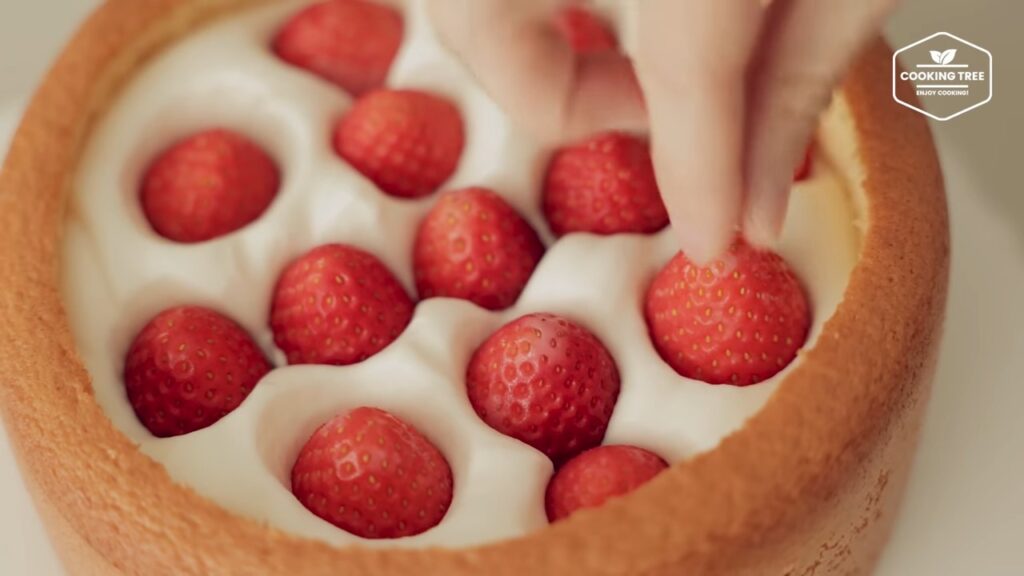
286	292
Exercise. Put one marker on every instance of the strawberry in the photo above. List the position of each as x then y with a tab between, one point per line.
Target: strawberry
603	185
585	32
208	185
738	320
546	381
473	245
407	142
188	368
337	305
373	475
350	43
803	170
590	479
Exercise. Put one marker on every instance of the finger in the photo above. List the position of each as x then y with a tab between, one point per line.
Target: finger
604	95
691	61
513	49
807	46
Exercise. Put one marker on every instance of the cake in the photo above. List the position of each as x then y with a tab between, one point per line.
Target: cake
793	470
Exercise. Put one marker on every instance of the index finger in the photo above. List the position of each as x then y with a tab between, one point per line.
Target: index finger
691	60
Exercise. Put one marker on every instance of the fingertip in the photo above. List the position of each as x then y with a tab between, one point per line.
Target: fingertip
765	215
702	192
693	75
760	233
696	148
703	243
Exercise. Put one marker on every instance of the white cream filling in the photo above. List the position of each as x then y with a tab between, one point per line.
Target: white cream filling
118	274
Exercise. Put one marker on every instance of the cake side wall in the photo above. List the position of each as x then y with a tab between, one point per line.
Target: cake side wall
78	556
847	536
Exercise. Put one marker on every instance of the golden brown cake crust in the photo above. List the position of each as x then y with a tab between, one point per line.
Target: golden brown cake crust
808	486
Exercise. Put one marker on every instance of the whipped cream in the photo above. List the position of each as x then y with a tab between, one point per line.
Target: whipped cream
118	274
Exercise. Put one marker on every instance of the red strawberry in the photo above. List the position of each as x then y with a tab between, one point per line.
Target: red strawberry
803	170
474	246
208	185
590	479
586	32
188	368
373	475
407	142
603	185
738	320
348	42
337	305
546	381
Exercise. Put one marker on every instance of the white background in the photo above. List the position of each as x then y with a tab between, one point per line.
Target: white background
964	514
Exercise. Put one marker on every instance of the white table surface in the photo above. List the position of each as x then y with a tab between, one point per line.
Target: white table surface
964	513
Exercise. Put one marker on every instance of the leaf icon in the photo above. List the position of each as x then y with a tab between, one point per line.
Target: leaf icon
948	56
936	56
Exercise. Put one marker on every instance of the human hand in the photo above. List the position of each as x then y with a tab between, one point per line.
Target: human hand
730	90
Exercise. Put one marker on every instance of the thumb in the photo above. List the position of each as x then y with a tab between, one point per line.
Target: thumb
807	46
